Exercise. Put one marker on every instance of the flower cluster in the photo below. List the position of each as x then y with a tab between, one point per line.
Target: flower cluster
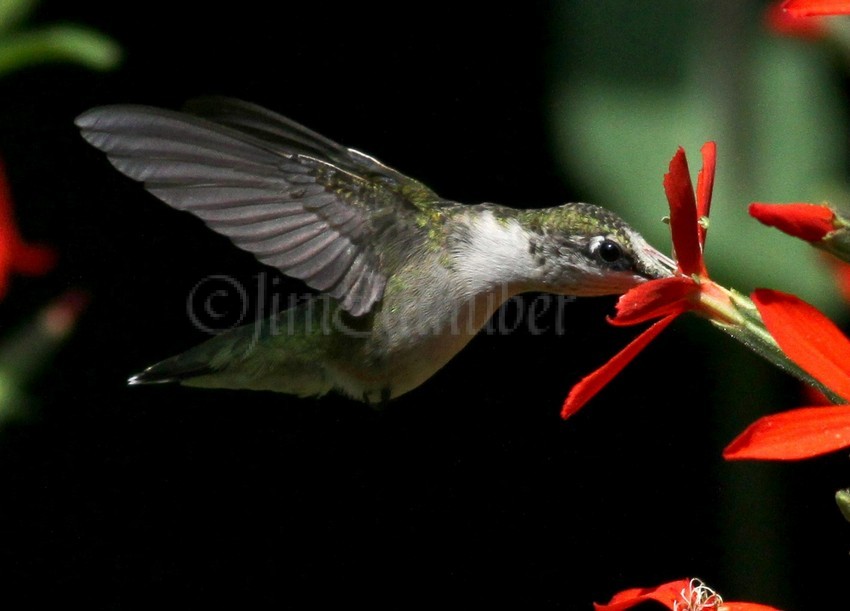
781	327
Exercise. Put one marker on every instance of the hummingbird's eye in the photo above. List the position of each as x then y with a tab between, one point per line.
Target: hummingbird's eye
607	249
610	251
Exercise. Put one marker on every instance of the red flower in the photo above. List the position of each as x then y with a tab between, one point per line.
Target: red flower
807	8
689	290
809	339
819	225
782	22
808	222
16	256
682	595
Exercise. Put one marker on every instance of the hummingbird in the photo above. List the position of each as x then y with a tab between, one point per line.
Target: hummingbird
404	278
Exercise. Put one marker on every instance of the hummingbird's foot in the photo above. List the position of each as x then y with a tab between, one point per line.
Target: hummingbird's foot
383	399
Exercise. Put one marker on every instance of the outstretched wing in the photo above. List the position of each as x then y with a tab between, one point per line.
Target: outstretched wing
313	209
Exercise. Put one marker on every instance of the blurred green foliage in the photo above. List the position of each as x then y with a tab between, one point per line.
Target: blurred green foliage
25	353
57	43
14	12
631	83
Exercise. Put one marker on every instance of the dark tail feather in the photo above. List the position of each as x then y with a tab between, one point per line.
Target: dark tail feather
210	357
174	369
257	357
206	358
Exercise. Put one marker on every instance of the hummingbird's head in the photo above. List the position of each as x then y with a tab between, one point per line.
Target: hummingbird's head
586	250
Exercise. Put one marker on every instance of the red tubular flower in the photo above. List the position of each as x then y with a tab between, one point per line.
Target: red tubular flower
808	8
16	256
815	344
810	222
780	21
666	298
821	226
682	595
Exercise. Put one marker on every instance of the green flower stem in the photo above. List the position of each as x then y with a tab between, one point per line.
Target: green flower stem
837	243
842	498
737	316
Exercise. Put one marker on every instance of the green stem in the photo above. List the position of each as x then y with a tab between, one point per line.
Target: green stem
738	317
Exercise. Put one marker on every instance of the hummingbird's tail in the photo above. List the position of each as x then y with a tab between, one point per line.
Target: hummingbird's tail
207	359
175	369
262	356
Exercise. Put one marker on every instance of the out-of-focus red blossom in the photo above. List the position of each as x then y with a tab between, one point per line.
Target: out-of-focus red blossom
665	298
810	222
809	339
682	595
841	273
59	318
16	256
780	21
809	8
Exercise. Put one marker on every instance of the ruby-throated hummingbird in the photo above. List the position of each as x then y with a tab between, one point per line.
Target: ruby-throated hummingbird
405	277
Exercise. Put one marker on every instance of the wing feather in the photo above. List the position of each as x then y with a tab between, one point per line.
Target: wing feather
324	265
316	210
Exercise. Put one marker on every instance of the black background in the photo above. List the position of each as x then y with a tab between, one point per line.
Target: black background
467	491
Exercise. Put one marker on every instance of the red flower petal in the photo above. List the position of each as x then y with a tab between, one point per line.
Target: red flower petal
809	222
779	21
705	185
670	593
665	594
593	383
806	8
15	254
683	215
33	259
800	433
813	396
808	337
654	299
